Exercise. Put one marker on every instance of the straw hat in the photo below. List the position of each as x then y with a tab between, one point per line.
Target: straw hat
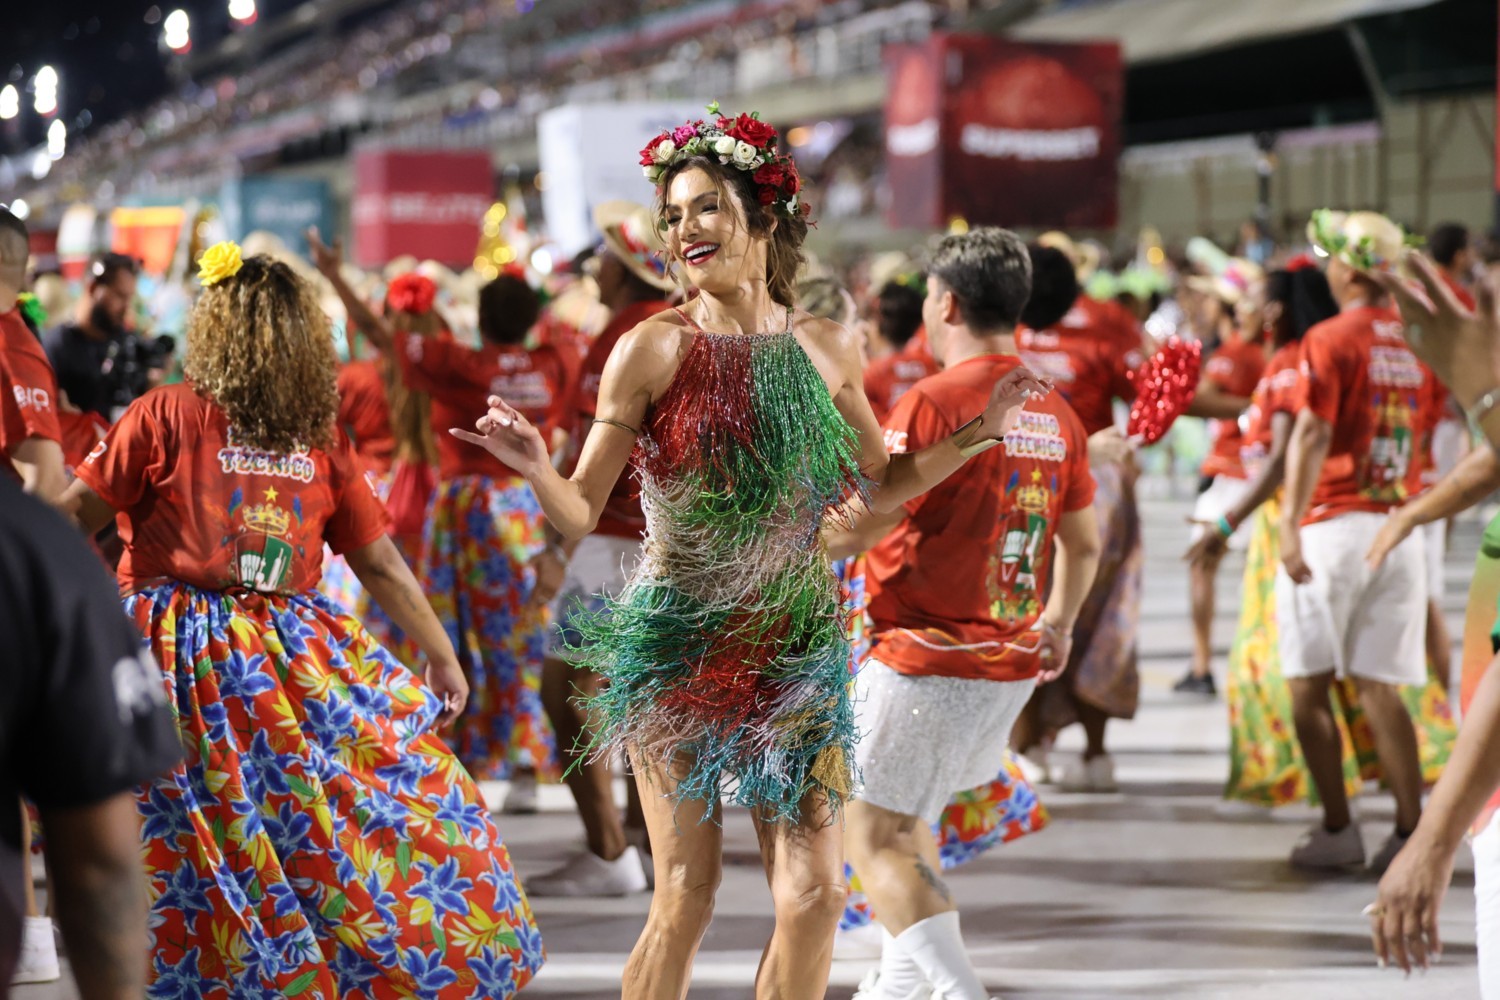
1232	283
1367	241
630	235
1084	255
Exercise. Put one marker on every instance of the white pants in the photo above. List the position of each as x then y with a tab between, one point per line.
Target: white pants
1487	908
1349	620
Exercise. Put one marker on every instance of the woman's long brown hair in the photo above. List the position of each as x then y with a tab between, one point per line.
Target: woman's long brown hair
784	257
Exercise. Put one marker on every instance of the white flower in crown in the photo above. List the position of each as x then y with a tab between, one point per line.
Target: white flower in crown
744	154
724	145
664	151
653	174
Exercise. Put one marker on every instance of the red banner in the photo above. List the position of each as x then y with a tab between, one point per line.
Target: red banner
1003	133
425	203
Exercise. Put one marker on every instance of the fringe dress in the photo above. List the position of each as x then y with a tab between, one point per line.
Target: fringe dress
725	654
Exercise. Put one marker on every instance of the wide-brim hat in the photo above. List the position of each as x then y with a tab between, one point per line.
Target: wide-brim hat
630	235
1368	241
1084	255
1231	284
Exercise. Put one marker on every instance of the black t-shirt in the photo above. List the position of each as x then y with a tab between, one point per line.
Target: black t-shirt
84	713
84	367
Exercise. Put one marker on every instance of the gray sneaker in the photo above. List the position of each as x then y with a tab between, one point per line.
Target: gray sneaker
1319	850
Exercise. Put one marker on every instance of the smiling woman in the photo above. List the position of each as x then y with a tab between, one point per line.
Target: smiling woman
725	655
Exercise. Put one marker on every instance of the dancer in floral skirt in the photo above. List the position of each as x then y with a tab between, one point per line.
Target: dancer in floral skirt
320	840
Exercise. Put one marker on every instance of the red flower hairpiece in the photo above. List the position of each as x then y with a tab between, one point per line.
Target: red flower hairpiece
411	293
745	143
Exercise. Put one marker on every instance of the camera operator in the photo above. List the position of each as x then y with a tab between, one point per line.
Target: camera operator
101	365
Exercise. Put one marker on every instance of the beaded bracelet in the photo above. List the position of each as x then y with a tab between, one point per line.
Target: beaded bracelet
1225	527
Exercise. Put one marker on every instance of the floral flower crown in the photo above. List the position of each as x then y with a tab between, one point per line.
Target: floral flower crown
745	143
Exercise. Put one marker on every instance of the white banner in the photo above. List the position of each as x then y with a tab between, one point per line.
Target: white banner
590	154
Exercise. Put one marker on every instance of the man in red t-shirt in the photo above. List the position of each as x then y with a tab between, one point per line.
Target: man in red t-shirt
958	582
1354	457
630	271
1229	378
30	435
899	321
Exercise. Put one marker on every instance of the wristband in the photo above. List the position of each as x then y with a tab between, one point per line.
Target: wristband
965	436
1225	526
1482	406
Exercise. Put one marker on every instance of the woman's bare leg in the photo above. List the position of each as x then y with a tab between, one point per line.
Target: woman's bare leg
805	869
687	846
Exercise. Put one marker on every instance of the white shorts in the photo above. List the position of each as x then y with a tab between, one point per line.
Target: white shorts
1450	443
1216	501
600	566
1349	620
921	739
1486	846
1435	547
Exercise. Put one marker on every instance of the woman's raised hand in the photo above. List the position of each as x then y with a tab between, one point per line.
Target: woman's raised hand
506	433
1461	345
1007	397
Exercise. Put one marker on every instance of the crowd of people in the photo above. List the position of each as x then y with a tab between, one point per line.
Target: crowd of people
844	550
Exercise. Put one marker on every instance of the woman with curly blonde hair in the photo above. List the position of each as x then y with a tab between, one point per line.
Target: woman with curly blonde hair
320	839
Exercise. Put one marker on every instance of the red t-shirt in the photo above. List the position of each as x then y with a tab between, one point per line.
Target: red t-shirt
195	506
622	516
1278	391
461	379
889	378
1360	376
1089	356
81	431
28	387
965	572
1235	368
365	413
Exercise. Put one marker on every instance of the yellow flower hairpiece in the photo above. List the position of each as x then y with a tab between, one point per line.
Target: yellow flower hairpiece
220	261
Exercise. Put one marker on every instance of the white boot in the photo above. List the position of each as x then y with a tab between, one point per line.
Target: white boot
38	959
936	945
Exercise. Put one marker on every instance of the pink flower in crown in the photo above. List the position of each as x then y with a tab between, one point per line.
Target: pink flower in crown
683	134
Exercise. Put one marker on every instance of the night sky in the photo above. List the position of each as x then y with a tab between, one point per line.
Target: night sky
108	56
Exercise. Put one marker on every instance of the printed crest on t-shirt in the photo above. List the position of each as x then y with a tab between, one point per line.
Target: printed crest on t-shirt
263	550
1023	553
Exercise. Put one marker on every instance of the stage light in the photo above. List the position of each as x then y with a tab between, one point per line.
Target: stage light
57	139
20	209
10	102
44	90
41	165
541	260
243	11
176	31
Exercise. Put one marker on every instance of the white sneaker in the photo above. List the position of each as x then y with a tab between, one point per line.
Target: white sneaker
1319	850
1387	853
857	944
869	989
590	876
1094	775
520	800
639	840
1034	766
38	959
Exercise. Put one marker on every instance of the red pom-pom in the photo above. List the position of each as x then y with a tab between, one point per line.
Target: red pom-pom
411	293
1164	388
